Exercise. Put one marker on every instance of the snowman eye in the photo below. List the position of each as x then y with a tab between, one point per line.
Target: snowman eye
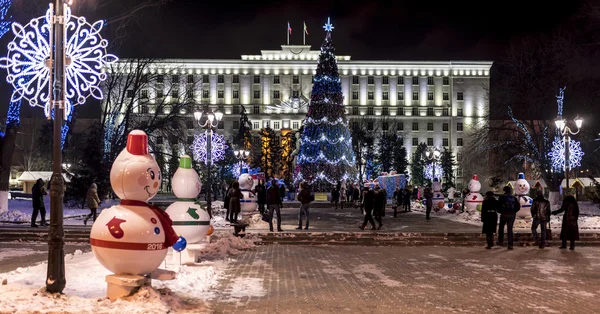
151	173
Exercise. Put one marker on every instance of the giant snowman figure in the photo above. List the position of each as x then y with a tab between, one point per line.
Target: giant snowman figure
522	192
189	219
438	196
133	237
473	198
248	204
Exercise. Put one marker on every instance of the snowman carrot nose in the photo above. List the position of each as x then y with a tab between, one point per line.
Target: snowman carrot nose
155	185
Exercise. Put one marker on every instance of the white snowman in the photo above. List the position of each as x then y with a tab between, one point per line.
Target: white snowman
248	204
438	196
473	199
189	219
521	191
133	237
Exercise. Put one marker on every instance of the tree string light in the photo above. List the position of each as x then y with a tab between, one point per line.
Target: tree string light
218	147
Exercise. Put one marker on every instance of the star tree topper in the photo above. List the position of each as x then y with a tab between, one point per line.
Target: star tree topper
328	26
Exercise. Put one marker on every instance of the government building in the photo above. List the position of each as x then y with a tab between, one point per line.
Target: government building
426	102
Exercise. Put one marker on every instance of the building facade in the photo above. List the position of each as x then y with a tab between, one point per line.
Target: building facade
427	102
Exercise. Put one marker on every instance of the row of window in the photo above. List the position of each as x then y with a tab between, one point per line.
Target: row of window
385	80
400	96
415	111
296	79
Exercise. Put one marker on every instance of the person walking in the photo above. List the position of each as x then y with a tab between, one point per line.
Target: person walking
342	196
37	195
274	204
396	199
356	196
282	191
540	212
369	204
226	200
489	217
335	197
349	192
406	200
291	192
93	202
379	207
429	202
235	195
305	196
261	195
465	192
508	208
569	229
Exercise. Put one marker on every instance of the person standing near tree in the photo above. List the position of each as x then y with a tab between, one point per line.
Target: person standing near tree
429	202
93	202
356	196
406	200
37	195
342	195
335	196
226	201
305	196
261	195
235	196
540	212
379	207
509	206
369	203
274	204
569	230
489	217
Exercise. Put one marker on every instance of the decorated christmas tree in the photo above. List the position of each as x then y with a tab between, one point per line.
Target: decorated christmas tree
326	144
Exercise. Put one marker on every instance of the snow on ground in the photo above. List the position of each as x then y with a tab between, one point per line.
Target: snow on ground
218	220
85	291
19	211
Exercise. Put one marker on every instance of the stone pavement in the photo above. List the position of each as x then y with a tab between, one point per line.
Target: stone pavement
355	279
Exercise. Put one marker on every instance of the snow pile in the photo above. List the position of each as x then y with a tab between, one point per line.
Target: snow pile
20	211
255	222
228	244
218	215
15	216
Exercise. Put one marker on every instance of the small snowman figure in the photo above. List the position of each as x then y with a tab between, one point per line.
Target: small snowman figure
248	204
189	219
132	237
438	196
473	198
521	191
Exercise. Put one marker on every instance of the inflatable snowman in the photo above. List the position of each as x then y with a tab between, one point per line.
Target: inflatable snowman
522	192
438	196
189	219
248	204
133	237
473	198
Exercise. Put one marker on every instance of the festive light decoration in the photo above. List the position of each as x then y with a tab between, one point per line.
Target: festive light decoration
326	144
428	171
557	154
237	168
218	147
328	26
4	22
86	57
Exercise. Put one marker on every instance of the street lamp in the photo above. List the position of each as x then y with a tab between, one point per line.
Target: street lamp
211	122
241	155
432	154
566	132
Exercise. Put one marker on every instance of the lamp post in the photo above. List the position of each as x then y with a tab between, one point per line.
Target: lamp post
211	122
241	155
566	132
432	154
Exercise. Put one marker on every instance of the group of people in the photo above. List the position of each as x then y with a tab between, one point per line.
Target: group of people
507	207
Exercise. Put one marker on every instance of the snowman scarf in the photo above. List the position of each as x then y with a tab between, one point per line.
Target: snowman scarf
166	222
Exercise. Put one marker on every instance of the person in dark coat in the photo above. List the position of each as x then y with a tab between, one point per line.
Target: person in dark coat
356	197
540	212
489	217
261	195
369	204
235	195
274	204
282	192
508	206
429	199
406	200
37	194
379	208
335	197
226	200
305	197
569	229
396	200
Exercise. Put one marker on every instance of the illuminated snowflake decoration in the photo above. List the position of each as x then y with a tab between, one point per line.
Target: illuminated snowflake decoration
557	154
237	170
218	147
328	26
28	63
428	171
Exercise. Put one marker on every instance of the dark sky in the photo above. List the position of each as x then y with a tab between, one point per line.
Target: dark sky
396	30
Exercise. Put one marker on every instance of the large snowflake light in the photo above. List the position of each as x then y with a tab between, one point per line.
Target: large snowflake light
218	147
29	53
557	154
428	171
237	168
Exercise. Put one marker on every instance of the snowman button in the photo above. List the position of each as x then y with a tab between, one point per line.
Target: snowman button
157	230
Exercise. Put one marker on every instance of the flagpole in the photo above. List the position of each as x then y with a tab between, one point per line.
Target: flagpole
304	34
288	34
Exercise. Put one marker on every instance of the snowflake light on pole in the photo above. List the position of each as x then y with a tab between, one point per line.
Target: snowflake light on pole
218	147
428	171
28	67
557	154
237	169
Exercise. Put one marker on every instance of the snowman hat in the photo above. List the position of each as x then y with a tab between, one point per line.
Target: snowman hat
244	170
475	177
521	176
185	162
435	180
137	143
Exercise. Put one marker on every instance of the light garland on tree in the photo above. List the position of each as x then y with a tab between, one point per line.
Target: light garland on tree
4	22
428	171
218	147
557	154
85	52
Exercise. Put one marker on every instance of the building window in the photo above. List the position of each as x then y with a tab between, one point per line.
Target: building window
221	108
159	140
429	126
354	95
205	93
459	96
415	96
354	79
205	79
445	142
276	125
257	79
415	126
130	93
267	124
370	80
370	95
385	111
459	112
220	79
355	111
295	125
160	93
236	110
386	96
236	94
400	111
459	156
190	140
430	80
276	79
445	112
255	125
189	124
415	111
445	127
236	125
236	79
174	140
295	94
220	94
256	141
275	94
430	112
415	80
256	109
160	78
459	141
144	109
429	141
144	94
446	96
400	95
370	111
415	141
256	94
175	79
190	79
400	80
370	126
446	81
384	126
459	126
295	79
385	80
400	126
429	95
175	93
